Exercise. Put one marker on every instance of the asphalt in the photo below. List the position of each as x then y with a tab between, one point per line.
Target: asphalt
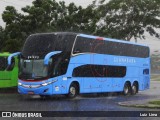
12	101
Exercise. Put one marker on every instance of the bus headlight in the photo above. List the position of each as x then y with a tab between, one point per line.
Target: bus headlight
20	84
45	84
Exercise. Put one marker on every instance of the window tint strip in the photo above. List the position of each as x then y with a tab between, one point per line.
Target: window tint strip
91	70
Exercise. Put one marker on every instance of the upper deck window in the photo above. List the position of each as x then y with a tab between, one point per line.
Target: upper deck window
90	45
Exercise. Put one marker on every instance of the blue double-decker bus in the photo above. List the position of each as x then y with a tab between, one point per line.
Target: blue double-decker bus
71	63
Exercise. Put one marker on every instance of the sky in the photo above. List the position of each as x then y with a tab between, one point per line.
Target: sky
152	42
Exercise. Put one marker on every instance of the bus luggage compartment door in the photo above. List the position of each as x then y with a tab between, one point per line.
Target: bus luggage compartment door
92	84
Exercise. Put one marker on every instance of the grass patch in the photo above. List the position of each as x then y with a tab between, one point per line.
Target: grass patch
155	77
156	102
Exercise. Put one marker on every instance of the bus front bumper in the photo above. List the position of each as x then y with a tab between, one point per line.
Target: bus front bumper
44	90
37	88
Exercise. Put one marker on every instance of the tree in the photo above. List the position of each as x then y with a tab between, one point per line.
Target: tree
122	19
41	15
13	22
37	18
11	45
12	31
77	19
125	19
2	38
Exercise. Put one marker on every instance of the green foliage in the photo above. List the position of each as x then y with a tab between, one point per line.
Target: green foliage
2	37
122	19
11	45
157	102
125	19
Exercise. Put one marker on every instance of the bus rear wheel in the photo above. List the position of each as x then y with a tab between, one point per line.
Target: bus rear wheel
126	89
73	91
134	88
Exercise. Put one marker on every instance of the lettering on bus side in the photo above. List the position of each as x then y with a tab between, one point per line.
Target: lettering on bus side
124	60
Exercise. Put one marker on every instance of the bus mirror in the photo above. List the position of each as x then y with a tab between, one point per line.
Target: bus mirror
49	55
11	61
11	66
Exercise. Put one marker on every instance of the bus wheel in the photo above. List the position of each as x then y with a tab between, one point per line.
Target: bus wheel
134	89
126	89
73	91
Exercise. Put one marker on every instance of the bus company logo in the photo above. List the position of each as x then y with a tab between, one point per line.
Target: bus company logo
33	57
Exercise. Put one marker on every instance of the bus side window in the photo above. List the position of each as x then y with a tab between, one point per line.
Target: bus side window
82	45
3	63
76	51
145	71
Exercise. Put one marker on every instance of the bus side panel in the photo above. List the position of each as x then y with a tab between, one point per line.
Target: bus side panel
92	84
107	85
5	79
5	76
117	84
64	84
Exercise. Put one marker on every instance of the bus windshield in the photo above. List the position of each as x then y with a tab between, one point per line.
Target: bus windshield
32	69
41	44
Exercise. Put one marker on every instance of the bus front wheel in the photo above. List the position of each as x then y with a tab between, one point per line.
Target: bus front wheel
126	89
73	91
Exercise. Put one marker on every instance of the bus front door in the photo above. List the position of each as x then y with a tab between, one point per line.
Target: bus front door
146	78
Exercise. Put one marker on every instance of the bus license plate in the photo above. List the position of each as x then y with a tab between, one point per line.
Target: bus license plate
30	93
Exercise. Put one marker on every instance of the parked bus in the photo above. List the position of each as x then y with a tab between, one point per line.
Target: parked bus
8	78
70	63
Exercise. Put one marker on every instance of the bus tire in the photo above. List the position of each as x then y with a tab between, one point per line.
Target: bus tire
134	89
126	89
73	91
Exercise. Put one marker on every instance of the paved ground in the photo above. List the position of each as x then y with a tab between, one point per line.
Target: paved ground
10	101
152	94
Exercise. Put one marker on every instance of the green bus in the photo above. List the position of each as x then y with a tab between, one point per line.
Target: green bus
8	76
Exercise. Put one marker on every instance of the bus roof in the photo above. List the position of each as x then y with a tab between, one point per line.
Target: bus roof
91	36
55	33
